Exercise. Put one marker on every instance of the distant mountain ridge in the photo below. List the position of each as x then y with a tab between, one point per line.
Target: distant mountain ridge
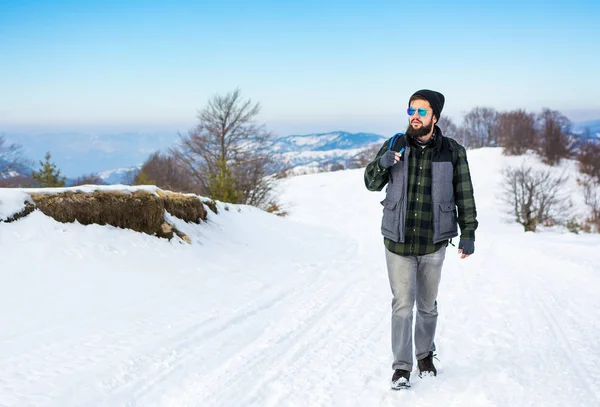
119	175
309	152
77	154
114	156
335	140
590	129
593	125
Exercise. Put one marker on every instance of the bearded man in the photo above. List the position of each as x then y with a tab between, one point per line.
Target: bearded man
429	194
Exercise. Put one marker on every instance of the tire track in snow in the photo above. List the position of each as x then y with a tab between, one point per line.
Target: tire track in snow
526	349
77	357
325	355
264	351
150	371
142	372
575	361
276	350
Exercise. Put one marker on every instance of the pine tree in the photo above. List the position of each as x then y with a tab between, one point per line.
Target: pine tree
48	175
222	186
144	179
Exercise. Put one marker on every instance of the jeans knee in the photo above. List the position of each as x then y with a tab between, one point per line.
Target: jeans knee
401	308
429	309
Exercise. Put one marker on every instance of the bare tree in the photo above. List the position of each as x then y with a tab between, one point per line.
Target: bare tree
255	171
591	196
166	172
19	181
515	131
90	179
589	158
478	128
554	142
337	167
12	158
535	196
228	153
449	129
363	158
130	176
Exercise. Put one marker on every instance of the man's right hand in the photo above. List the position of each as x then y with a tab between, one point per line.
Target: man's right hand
389	158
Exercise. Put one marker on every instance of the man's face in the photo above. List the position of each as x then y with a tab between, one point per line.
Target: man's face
420	127
416	122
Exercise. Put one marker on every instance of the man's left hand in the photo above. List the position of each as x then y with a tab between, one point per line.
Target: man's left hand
466	248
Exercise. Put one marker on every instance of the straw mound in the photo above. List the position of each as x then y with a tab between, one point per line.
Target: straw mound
141	211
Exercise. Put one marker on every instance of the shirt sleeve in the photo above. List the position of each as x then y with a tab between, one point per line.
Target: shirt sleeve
464	197
375	176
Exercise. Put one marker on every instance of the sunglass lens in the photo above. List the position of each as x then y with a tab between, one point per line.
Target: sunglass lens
411	111
422	112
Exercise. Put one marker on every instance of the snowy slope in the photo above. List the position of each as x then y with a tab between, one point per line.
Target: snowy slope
337	140
309	151
268	311
118	176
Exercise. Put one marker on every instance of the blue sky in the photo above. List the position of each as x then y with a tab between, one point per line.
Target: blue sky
313	65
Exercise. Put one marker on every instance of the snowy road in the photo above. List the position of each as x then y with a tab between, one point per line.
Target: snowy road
291	312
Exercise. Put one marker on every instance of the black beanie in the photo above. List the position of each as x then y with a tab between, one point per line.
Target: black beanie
435	99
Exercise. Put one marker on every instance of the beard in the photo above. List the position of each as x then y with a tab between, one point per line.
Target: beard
420	132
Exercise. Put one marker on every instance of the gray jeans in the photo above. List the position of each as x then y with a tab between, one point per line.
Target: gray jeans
413	278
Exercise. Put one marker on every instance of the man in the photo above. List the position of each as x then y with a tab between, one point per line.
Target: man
428	179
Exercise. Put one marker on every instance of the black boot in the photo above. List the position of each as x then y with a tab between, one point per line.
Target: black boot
401	379
426	366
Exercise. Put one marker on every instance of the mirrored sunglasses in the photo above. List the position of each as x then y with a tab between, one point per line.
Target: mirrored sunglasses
411	111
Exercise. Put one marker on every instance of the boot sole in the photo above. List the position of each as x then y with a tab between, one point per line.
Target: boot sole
427	374
402	386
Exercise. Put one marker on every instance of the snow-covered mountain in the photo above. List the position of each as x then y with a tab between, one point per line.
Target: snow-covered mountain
118	176
76	154
337	140
312	151
7	171
592	125
588	131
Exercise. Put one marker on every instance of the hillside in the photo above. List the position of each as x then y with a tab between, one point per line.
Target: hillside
267	311
116	155
593	126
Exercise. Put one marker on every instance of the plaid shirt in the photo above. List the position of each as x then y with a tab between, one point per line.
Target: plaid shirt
419	215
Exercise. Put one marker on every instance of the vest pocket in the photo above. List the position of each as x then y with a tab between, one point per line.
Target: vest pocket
447	218
391	210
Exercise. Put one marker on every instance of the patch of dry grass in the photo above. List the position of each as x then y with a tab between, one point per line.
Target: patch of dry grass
212	205
186	207
141	211
29	207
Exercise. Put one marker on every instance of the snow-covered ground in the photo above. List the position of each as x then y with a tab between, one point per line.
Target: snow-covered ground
295	311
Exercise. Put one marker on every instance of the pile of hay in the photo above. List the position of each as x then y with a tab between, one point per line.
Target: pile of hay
140	210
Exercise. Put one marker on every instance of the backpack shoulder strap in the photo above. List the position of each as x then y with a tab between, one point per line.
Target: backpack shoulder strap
401	142
454	148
